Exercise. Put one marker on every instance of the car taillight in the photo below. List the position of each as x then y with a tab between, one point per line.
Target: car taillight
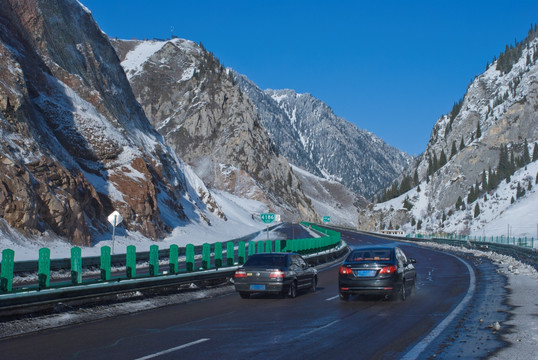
388	269
240	274
345	270
276	274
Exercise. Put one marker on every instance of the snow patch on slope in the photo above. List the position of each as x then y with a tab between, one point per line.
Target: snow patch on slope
136	58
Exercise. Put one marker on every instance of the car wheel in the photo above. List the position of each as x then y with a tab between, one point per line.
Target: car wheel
403	292
244	295
314	284
344	297
292	293
413	287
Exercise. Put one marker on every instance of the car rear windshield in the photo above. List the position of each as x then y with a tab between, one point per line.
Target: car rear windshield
275	261
370	255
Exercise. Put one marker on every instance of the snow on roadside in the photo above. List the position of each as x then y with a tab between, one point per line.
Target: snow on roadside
522	285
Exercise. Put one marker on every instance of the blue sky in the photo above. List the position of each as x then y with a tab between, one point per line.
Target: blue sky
390	67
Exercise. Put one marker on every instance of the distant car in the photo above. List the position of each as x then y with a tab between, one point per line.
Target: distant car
275	273
377	270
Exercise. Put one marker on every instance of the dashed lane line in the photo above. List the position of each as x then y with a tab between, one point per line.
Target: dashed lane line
151	356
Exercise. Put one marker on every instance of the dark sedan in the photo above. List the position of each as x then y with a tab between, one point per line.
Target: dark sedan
377	270
275	273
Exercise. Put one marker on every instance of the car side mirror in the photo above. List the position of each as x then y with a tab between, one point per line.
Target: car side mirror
411	261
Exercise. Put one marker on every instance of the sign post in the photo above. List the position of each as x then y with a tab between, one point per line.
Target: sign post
115	219
267	218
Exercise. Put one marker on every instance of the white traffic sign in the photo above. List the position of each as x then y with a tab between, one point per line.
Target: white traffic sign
115	218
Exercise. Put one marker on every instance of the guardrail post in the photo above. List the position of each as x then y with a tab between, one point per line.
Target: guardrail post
278	245
241	253
76	266
218	255
260	246
173	259
189	252
105	263
153	260
44	268
269	246
206	255
131	262
251	248
230	253
6	276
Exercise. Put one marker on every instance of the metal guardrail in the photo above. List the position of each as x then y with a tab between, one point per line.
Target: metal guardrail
516	249
45	300
503	240
116	259
526	255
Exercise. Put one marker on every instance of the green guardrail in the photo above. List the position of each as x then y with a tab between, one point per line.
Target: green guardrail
308	246
212	256
504	240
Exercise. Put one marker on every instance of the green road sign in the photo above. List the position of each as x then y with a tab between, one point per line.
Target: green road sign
267	218
326	219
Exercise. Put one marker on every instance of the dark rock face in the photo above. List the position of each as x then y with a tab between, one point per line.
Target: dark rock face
75	144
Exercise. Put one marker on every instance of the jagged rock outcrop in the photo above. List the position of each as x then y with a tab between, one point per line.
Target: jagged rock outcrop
193	101
309	134
74	142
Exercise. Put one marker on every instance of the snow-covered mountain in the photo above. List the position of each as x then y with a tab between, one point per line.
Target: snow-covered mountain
74	142
193	101
498	114
331	198
309	134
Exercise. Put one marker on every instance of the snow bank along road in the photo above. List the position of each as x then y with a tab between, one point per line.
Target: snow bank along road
465	290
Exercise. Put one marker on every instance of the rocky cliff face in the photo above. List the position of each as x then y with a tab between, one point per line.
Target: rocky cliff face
499	109
74	142
203	115
309	134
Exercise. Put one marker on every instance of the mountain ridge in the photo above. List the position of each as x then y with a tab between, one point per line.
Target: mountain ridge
307	131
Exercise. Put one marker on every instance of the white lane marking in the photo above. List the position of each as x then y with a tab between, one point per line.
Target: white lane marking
421	346
151	356
332	298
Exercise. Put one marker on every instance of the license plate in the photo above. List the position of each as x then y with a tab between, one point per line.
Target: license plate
257	287
365	273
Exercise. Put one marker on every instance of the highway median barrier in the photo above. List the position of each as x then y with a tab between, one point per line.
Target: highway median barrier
173	259
105	263
76	266
130	268
230	258
6	274
218	255
200	263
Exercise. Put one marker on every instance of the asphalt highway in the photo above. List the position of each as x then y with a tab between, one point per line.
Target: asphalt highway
312	326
